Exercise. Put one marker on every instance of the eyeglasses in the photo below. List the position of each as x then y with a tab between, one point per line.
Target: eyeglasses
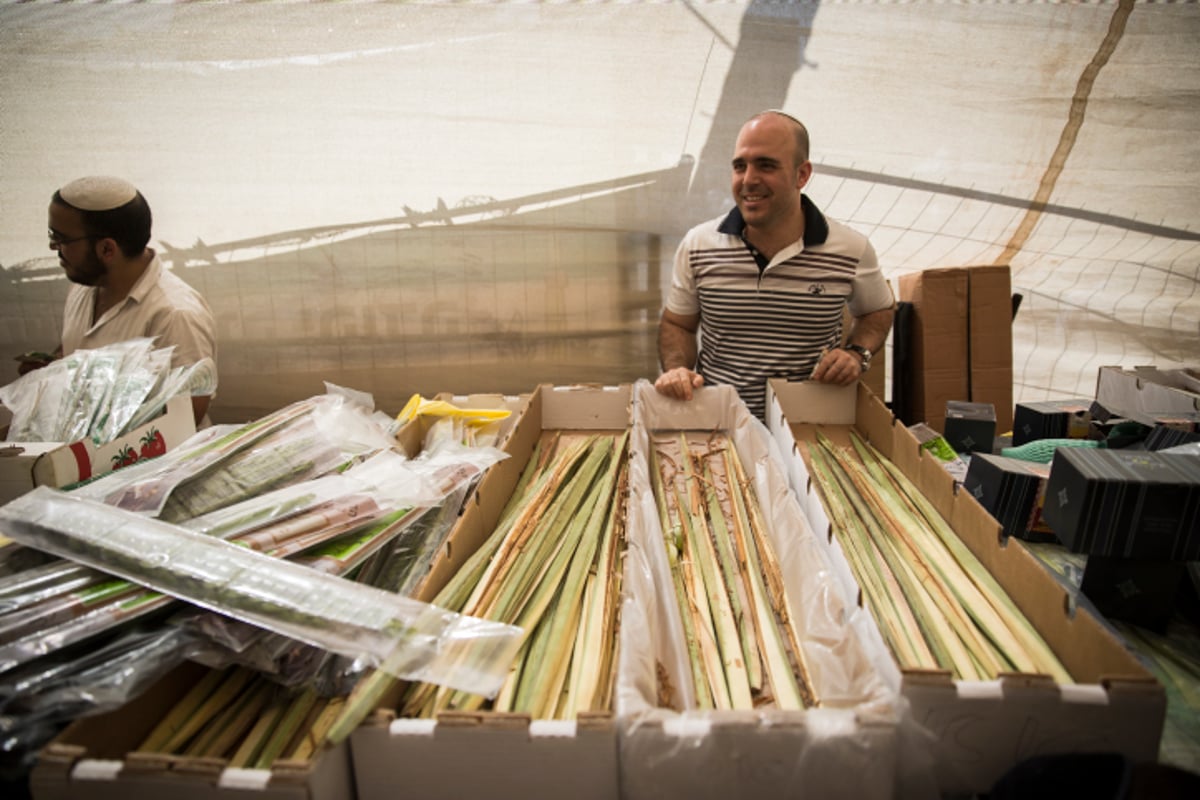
57	239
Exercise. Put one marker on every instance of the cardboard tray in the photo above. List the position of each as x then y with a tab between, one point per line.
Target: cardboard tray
89	761
846	748
488	754
983	728
26	465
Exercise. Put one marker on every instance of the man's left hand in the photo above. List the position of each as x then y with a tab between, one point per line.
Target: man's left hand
838	366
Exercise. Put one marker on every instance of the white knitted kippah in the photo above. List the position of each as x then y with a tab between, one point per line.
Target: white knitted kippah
98	193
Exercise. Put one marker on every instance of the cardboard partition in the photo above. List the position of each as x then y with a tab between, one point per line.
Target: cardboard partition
983	728
26	465
488	754
96	758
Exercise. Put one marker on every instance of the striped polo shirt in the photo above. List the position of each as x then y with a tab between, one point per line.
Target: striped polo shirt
761	320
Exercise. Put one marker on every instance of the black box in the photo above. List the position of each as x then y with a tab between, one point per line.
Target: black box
1126	503
1052	419
970	427
1011	490
1137	590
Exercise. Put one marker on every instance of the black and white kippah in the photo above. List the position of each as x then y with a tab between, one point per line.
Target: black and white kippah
98	193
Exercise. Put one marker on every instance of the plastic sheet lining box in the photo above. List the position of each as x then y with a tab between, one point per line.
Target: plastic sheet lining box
488	754
847	747
981	729
26	465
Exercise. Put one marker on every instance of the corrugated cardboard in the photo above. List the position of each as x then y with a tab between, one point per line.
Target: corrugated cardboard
983	728
989	334
847	747
1144	390
487	754
940	357
961	347
57	464
83	762
95	758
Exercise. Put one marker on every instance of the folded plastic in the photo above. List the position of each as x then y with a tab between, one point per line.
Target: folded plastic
407	638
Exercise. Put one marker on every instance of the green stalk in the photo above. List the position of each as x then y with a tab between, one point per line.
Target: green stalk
764	554
723	547
672	529
784	688
1031	642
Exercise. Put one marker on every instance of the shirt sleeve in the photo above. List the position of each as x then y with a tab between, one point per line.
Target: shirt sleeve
871	290
681	297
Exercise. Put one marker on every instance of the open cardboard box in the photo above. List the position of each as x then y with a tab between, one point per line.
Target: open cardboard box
95	757
846	747
983	728
24	465
489	754
1147	390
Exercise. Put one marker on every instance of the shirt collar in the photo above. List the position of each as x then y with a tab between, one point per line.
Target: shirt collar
147	281
816	228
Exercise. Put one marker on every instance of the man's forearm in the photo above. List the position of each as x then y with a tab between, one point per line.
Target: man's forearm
676	346
871	330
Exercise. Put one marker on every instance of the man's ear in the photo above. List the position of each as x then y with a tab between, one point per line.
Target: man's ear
803	173
107	249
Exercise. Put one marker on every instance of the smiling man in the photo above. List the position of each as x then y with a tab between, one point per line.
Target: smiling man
759	293
100	228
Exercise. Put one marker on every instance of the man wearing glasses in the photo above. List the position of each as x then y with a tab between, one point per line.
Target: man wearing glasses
100	228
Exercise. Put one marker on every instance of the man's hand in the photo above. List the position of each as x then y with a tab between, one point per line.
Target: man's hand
678	383
838	366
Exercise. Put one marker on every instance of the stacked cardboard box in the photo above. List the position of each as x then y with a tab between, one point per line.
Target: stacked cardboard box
961	347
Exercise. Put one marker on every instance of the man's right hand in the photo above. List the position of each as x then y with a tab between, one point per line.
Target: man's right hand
678	383
28	362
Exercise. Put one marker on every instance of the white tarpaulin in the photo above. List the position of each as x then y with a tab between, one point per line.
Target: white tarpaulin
429	197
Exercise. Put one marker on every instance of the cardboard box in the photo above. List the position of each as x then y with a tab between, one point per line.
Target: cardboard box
980	729
94	758
25	465
1145	390
940	351
1052	419
84	762
845	748
1127	503
485	753
989	336
970	427
961	347
1013	492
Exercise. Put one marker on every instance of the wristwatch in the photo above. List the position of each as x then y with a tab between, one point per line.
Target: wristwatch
863	353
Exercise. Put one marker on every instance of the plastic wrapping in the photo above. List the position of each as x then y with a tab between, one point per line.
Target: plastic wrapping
38	699
214	469
412	640
846	748
99	394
